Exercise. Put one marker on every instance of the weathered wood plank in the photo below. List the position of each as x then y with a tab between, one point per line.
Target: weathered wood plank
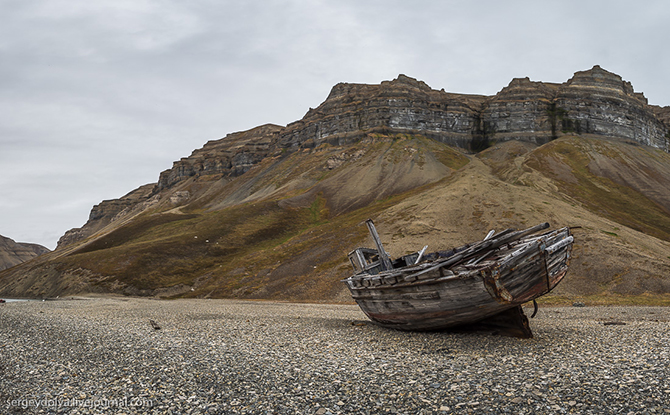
383	256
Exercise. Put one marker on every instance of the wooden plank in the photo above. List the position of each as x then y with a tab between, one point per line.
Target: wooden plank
383	256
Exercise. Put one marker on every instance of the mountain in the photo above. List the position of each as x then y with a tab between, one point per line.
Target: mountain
13	253
272	212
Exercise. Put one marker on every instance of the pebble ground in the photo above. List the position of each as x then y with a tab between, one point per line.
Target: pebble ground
102	355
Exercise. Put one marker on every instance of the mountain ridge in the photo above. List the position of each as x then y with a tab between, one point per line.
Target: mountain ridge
524	110
272	212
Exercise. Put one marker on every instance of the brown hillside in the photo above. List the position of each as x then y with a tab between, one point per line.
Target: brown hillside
283	232
13	253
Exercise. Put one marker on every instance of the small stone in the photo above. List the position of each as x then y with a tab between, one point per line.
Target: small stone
578	304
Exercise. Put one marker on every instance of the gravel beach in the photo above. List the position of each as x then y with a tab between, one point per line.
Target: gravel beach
102	355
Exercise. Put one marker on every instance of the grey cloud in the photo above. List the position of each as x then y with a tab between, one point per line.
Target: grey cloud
96	98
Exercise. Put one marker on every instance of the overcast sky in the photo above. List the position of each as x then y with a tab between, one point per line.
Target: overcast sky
98	97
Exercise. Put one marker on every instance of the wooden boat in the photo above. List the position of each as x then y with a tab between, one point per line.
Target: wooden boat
483	282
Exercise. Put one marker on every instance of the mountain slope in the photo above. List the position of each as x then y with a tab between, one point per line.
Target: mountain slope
276	208
288	243
595	102
272	212
13	253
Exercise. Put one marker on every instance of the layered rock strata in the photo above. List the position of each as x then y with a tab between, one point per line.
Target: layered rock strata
600	102
520	111
232	155
591	102
401	105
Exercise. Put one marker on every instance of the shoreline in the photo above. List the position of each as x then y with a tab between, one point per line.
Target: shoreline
238	356
548	300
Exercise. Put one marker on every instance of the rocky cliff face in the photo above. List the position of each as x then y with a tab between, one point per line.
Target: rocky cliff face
594	102
520	111
600	102
231	156
591	102
13	253
401	105
113	210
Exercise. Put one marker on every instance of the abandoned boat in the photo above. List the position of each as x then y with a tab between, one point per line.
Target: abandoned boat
485	281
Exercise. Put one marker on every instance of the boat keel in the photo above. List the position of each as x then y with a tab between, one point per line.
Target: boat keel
511	322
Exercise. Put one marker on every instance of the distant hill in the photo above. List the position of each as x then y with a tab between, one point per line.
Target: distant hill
272	212
13	253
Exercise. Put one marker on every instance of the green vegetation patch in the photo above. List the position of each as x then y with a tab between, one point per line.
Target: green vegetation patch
318	211
610	233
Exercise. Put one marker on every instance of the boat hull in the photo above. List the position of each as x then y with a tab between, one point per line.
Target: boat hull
441	294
